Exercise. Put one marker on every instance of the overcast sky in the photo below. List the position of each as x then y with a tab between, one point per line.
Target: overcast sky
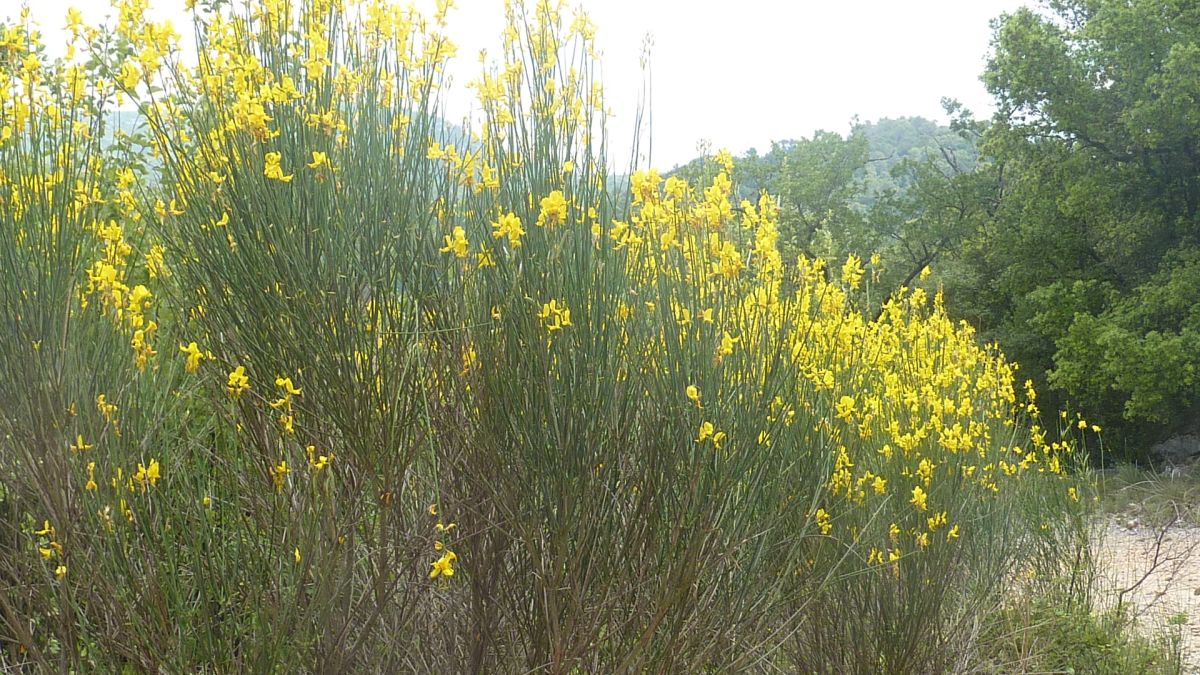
738	74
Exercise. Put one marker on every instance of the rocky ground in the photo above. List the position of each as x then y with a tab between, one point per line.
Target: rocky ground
1156	573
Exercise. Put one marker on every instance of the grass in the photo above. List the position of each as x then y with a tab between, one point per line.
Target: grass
1054	633
1135	496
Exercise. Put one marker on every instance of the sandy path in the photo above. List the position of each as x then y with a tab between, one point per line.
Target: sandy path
1170	588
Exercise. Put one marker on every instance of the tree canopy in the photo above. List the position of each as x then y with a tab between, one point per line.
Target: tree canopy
1092	261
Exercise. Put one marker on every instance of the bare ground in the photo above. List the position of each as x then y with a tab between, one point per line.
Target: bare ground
1155	572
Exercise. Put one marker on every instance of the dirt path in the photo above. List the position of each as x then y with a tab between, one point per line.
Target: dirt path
1162	578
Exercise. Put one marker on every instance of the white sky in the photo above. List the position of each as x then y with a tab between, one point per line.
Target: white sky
737	74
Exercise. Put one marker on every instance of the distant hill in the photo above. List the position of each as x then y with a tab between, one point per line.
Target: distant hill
889	143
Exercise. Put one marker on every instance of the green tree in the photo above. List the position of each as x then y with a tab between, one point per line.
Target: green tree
1088	271
816	180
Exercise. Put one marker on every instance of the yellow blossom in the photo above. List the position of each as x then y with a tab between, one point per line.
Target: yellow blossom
79	445
727	343
194	356
238	382
509	225
554	210
279	474
285	383
272	168
443	566
555	316
823	521
845	408
852	271
147	476
919	499
456	243
879	485
316	461
319	159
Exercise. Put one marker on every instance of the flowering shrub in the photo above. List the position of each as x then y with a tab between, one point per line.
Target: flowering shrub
457	402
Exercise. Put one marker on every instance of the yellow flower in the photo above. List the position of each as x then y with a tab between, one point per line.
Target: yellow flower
46	531
456	243
443	566
296	554
730	264
554	209
79	445
952	534
568	166
823	521
706	431
60	572
317	462
693	395
925	272
194	356
845	408
852	271
91	481
319	159
272	168
919	499
285	383
880	485
238	382
555	316
925	471
107	410
279	474
727	342
509	225
147	475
